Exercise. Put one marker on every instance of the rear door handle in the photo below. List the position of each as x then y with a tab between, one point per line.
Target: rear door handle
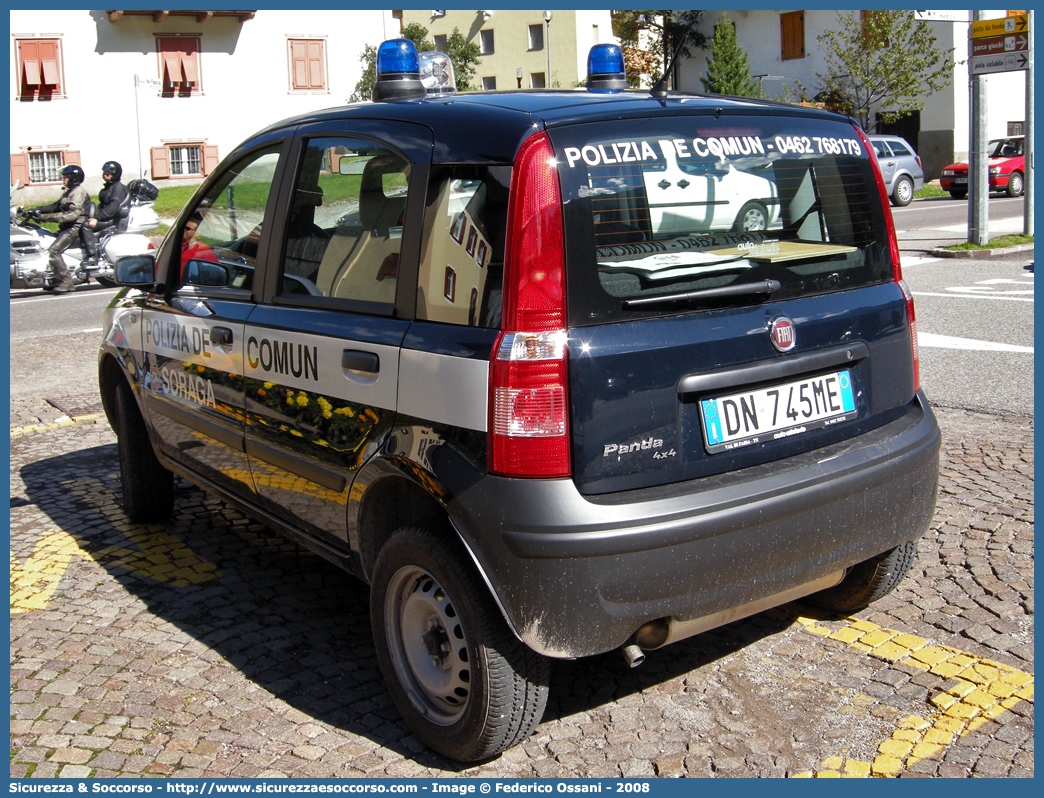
366	362
221	336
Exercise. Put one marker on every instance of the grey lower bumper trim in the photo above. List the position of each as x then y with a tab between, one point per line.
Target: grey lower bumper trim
679	630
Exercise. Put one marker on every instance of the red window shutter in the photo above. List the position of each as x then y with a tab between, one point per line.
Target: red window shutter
316	79
50	73
71	158
19	168
173	70
49	64
298	65
29	71
32	73
160	163
189	70
210	158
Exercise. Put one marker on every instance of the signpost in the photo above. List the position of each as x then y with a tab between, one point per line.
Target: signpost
999	45
942	16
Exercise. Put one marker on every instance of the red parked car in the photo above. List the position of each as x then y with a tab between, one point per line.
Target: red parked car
1007	169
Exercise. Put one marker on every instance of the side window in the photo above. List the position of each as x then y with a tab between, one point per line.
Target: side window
899	149
881	149
344	229
462	256
220	236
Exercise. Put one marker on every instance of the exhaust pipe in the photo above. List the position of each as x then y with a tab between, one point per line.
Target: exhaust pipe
633	655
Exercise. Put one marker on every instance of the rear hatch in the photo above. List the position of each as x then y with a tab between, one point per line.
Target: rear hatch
731	294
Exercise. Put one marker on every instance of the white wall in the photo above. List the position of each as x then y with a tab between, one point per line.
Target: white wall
244	72
586	38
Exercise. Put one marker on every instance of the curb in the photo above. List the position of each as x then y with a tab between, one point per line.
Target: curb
978	254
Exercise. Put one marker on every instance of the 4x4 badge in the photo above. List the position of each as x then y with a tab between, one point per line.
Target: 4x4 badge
781	331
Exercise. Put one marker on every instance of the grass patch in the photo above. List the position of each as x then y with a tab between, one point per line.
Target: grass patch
927	192
995	243
172	199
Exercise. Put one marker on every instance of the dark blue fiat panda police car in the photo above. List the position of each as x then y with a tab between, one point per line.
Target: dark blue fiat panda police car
555	372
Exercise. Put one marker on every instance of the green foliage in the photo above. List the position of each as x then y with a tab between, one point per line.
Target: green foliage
886	61
727	69
656	34
463	54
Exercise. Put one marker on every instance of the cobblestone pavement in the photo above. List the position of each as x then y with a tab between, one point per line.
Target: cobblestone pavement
209	647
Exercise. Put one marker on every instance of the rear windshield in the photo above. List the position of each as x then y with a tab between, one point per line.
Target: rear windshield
671	214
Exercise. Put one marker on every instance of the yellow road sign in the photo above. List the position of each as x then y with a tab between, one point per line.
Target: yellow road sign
998	27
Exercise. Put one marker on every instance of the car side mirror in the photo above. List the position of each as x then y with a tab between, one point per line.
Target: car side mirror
136	271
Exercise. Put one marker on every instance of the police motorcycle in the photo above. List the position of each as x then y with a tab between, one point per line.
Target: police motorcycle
113	244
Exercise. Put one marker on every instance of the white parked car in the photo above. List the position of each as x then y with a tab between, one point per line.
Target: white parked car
702	196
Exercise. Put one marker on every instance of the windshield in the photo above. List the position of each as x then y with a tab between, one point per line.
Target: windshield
1005	148
761	206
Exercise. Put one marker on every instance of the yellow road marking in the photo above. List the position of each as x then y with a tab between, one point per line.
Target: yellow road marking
64	421
159	556
983	691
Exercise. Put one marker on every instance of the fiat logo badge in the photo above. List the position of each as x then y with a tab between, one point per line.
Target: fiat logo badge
781	331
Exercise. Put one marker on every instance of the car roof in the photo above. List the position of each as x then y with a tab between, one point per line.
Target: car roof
508	117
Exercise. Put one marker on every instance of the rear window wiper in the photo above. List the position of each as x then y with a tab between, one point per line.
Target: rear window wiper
765	287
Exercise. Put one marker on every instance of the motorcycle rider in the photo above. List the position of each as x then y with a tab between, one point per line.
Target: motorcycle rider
69	211
112	208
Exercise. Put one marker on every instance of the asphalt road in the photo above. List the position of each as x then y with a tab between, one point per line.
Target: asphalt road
943	221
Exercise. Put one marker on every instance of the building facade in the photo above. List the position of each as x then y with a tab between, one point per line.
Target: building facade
169	93
782	48
523	49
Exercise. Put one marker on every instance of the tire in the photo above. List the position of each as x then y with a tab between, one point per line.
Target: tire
458	676
903	193
1016	185
148	488
958	193
867	581
752	218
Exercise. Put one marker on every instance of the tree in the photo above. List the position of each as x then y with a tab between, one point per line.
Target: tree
727	69
462	53
883	60
649	39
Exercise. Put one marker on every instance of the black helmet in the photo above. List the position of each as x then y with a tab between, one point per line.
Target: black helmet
114	168
75	175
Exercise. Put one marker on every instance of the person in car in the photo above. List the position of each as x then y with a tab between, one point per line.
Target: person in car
191	247
69	211
112	208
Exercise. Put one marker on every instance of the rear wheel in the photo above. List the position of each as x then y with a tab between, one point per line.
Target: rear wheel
148	488
958	193
1015	185
902	194
752	218
460	679
867	581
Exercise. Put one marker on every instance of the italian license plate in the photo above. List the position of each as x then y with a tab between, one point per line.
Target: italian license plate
778	412
960	181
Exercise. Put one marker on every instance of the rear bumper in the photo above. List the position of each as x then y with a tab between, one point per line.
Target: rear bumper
578	575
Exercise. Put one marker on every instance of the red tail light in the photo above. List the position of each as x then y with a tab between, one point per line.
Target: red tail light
529	396
897	271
